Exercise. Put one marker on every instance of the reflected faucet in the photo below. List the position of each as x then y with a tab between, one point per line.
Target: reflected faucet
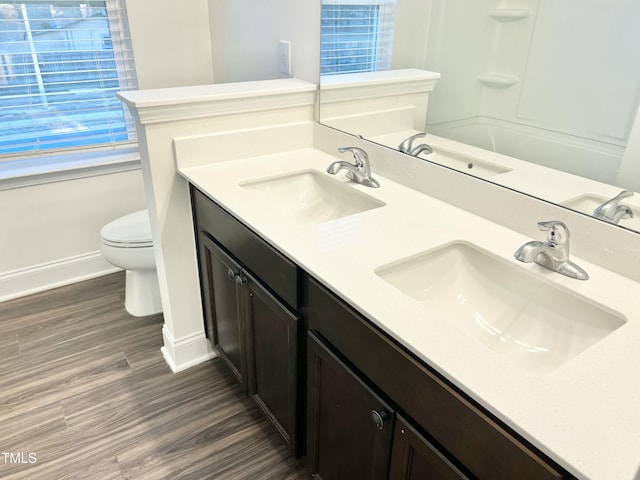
553	253
422	148
407	145
611	211
359	172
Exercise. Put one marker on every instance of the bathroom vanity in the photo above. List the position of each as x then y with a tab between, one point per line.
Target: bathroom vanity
356	374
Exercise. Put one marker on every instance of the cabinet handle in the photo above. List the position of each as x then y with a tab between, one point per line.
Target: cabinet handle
231	275
379	418
240	279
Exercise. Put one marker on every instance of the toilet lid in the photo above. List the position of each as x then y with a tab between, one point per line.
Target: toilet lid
134	228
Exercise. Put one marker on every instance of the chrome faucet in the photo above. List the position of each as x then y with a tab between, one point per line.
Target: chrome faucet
611	211
422	148
407	145
359	172
553	253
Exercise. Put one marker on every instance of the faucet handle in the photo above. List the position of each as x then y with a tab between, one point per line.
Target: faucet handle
359	155
612	211
407	143
623	194
558	233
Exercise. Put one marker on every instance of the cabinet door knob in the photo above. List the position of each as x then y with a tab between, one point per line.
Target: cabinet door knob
379	418
231	275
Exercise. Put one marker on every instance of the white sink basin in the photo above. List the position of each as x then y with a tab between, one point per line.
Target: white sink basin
310	197
588	202
464	163
531	321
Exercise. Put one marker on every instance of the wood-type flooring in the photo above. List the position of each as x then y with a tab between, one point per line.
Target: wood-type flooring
86	394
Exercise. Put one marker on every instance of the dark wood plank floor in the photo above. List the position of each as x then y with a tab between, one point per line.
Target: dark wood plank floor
85	393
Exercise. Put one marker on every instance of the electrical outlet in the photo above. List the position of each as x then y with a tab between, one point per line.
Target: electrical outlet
284	57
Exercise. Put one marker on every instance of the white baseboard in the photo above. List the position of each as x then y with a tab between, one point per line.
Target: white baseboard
185	352
45	276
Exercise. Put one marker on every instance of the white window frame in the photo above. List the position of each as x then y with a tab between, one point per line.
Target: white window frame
36	167
386	26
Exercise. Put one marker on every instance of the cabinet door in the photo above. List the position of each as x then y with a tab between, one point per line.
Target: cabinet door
273	346
349	427
413	457
222	287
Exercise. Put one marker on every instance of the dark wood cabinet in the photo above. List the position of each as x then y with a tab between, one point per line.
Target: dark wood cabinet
252	328
350	427
415	458
223	305
273	338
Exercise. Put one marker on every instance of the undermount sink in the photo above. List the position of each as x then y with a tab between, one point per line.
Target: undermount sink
588	202
534	323
310	197
464	163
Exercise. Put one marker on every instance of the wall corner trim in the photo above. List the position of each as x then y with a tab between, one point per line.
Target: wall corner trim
186	352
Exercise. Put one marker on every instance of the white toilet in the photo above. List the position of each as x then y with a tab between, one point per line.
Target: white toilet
126	243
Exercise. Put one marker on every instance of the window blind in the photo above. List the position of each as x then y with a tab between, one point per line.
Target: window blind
61	65
357	36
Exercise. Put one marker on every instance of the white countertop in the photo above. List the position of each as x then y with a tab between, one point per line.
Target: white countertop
585	414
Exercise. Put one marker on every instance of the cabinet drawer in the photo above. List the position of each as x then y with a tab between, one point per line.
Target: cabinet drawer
260	258
470	435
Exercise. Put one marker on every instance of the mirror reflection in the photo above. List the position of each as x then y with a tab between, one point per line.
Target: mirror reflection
537	95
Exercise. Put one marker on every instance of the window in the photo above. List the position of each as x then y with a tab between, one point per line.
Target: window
61	64
357	36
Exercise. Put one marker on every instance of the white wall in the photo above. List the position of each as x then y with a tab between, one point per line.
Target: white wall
410	40
171	42
245	36
629	174
50	232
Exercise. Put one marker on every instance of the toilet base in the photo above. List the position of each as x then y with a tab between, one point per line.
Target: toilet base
142	293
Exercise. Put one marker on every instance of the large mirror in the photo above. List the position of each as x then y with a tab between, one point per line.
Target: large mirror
540	96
